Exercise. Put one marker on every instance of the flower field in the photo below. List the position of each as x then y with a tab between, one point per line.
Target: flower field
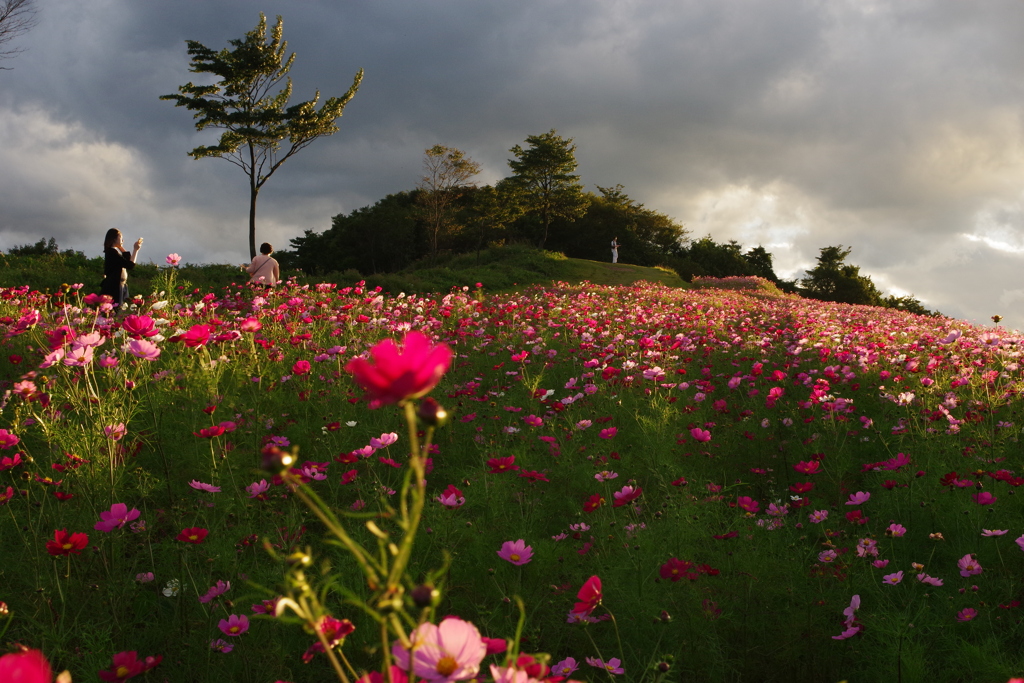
644	483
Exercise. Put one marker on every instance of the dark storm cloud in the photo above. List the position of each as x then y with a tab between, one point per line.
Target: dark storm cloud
891	127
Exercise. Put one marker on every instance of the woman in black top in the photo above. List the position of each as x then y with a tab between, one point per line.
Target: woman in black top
116	264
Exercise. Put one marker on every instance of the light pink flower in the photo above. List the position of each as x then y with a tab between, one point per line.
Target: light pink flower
257	488
858	498
173	259
516	552
994	532
930	580
892	579
612	666
144	349
450	651
968	566
896	530
200	486
144	577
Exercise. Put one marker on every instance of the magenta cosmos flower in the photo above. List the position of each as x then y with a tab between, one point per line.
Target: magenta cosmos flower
29	666
399	373
516	552
116	517
626	495
234	625
450	651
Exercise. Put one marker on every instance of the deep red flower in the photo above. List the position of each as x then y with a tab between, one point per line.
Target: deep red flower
125	665
197	335
194	535
499	465
801	487
592	503
64	543
209	432
533	475
728	534
676	569
400	373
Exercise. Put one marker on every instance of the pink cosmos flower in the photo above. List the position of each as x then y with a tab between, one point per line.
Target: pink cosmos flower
533	420
139	326
384	440
11	462
701	435
565	667
450	651
808	467
994	532
850	613
219	588
880	564
146	350
8	440
818	516
116	517
27	666
144	577
749	504
858	498
451	498
588	597
257	489
608	433
400	373
173	259
892	579
79	356
234	625
221	645
896	530
197	335
200	486
516	552
968	566
827	556
1020	542
966	614
984	498
115	432
626	495
126	665
612	666
930	580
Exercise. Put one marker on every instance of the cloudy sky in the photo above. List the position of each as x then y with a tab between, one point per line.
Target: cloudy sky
893	127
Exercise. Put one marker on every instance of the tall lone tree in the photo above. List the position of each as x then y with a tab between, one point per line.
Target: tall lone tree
16	18
545	174
448	173
250	103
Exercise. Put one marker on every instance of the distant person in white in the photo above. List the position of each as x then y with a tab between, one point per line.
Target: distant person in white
615	250
264	270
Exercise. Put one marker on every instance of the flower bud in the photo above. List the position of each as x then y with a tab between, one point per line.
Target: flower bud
432	413
424	595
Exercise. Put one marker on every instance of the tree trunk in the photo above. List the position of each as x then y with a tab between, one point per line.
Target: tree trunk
253	192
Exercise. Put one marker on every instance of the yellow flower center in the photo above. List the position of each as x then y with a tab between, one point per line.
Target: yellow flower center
233	629
67	546
514	557
446	666
122	671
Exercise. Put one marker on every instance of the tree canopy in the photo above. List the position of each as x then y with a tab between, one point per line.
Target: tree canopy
545	174
250	103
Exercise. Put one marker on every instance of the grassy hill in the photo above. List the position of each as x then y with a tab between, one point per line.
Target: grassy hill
498	270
